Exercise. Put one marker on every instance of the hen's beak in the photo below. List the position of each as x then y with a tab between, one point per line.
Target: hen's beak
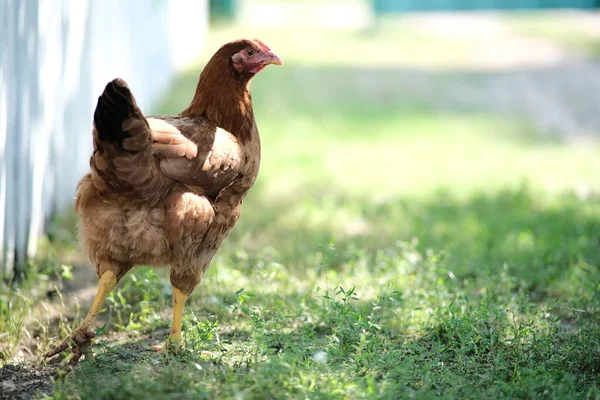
273	58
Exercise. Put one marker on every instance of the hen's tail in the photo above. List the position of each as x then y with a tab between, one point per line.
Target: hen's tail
122	159
115	106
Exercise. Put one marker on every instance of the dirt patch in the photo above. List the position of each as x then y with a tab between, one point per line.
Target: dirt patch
33	379
20	382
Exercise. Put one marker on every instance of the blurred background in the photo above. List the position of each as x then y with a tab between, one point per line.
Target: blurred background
397	131
378	98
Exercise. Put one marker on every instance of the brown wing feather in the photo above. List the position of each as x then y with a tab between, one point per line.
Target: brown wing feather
196	153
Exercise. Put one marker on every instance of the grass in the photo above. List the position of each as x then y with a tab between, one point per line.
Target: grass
390	249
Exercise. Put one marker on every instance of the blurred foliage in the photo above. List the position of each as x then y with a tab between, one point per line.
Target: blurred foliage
222	10
564	31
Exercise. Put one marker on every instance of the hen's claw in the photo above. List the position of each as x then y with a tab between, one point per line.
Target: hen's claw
159	348
170	346
80	342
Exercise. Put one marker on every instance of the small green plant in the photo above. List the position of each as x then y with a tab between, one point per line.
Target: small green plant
200	334
136	304
13	318
239	302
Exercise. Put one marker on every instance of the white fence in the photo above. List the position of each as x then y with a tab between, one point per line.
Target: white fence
55	58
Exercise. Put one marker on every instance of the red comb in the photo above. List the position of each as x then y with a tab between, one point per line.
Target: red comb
264	46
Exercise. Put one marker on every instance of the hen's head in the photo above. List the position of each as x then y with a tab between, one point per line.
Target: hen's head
224	84
248	57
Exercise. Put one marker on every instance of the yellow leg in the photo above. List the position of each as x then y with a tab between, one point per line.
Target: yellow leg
107	283
82	336
179	299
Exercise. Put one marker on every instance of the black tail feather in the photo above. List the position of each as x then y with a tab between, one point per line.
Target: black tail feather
115	105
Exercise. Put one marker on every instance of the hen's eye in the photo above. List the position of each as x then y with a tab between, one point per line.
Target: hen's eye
250	52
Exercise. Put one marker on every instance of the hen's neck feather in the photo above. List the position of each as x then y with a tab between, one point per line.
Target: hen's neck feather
223	97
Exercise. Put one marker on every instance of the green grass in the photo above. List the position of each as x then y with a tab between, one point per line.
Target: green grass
388	250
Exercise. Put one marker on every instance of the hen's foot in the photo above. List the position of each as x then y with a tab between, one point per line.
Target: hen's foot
80	342
170	346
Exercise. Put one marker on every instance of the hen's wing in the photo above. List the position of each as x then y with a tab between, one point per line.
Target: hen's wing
195	152
135	155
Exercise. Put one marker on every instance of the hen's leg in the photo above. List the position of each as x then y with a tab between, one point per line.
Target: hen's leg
81	338
179	299
182	288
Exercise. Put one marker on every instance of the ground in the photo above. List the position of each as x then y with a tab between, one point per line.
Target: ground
426	224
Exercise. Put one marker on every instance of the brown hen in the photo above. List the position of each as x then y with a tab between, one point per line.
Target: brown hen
167	190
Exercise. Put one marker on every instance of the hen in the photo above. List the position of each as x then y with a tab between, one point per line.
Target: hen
167	190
